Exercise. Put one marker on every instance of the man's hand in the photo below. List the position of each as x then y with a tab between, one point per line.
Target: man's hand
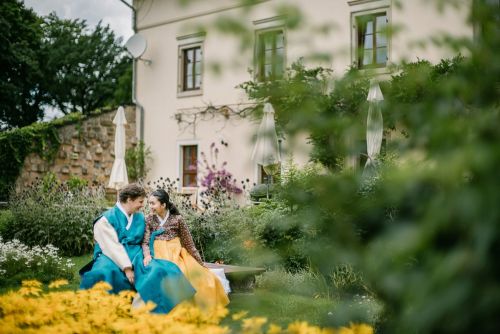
147	260
129	272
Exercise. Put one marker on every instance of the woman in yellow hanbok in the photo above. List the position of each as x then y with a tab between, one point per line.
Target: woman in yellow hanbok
167	237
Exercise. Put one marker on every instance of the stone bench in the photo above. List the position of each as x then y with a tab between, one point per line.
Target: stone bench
242	279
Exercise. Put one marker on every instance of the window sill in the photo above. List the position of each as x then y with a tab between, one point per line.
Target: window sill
190	93
376	70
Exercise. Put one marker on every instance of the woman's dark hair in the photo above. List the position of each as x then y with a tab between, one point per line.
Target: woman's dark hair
132	191
162	196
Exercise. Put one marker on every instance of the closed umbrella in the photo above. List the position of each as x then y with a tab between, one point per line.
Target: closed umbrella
374	128
118	177
266	150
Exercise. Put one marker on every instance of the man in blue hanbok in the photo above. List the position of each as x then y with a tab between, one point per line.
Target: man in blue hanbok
118	258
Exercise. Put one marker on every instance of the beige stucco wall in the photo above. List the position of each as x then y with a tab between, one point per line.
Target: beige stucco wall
162	22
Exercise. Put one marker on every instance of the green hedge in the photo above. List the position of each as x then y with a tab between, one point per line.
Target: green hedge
50	212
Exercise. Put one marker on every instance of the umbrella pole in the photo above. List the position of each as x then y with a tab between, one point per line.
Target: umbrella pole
268	181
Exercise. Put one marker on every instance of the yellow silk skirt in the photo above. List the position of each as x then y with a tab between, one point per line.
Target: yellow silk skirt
210	293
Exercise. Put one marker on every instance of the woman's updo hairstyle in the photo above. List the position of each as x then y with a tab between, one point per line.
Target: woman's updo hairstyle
162	196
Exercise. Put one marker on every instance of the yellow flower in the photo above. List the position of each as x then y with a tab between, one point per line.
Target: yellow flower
274	329
239	315
31	284
361	329
253	325
58	283
102	286
29	290
248	244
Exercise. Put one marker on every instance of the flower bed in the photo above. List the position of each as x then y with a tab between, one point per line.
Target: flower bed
19	262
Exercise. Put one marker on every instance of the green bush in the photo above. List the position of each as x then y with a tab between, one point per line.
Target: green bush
6	218
19	262
138	159
302	282
260	191
49	212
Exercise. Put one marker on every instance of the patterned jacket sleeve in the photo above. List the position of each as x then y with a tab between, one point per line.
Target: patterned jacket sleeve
187	240
147	237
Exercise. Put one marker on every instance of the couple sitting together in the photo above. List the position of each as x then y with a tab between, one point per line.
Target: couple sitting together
155	255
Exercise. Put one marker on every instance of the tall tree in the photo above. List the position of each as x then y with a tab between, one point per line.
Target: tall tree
21	95
83	66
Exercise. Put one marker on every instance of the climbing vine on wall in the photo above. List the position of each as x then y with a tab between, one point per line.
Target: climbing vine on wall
15	145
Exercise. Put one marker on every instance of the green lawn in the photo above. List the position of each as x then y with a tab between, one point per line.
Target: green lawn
280	308
79	262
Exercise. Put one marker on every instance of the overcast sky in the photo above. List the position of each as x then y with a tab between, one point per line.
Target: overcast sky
112	12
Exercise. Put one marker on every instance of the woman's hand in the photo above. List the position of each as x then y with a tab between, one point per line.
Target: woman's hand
129	272
147	260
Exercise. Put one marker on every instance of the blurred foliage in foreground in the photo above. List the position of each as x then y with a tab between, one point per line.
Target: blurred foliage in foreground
425	231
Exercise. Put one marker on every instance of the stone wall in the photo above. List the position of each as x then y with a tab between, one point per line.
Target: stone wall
86	150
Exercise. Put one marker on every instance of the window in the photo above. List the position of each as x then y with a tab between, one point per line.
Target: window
270	55
190	69
372	46
189	165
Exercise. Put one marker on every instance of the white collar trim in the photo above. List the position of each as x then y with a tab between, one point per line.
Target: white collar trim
163	221
129	218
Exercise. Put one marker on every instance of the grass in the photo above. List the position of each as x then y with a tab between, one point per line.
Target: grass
79	262
280	308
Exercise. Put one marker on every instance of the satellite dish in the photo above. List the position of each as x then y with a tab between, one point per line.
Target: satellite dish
136	45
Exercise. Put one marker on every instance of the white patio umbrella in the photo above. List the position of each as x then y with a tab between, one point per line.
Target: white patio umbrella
374	127
118	177
266	150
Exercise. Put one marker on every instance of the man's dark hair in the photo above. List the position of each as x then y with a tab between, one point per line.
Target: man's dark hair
132	191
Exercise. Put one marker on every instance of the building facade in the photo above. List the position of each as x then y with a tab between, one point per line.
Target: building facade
188	90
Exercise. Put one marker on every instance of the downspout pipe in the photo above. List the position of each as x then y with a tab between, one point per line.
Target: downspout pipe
134	75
